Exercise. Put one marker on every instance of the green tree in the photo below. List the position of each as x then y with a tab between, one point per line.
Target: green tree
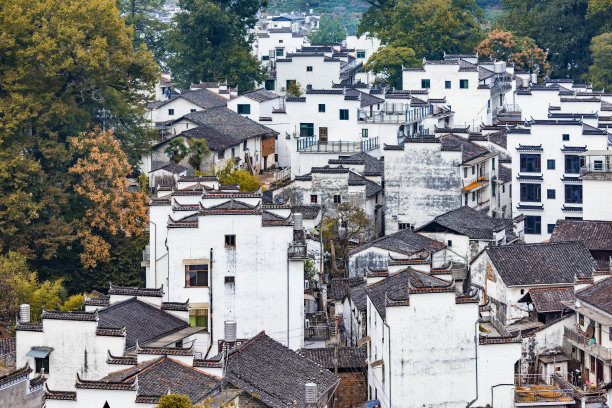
348	227
412	30
330	31
74	302
176	149
389	62
600	73
209	41
61	63
228	174
199	150
174	401
148	30
559	26
294	89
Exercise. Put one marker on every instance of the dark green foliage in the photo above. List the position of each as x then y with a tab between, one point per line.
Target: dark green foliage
559	26
330	31
209	42
148	30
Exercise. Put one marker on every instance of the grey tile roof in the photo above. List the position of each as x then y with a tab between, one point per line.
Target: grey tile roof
457	143
365	98
372	188
201	97
542	264
339	287
274	374
549	299
142	321
404	241
260	95
309	212
348	357
134	291
372	166
468	221
505	174
223	128
596	235
172	167
397	288
162	375
358	296
598	295
499	138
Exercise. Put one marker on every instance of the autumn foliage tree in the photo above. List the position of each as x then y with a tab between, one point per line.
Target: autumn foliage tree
521	51
102	169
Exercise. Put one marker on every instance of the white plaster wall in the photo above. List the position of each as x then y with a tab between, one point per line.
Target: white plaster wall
181	107
496	366
421	182
596	198
322	76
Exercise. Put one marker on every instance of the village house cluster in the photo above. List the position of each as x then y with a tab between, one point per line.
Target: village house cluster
484	280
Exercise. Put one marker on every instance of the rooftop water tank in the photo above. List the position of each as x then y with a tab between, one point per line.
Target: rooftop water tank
230	331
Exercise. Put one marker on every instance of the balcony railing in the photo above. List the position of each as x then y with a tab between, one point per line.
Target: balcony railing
312	145
581	341
471	184
394	113
282	175
598	167
297	251
538	389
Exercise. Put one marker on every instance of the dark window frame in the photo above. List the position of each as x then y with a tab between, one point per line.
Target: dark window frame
230	240
196	276
530	163
533	224
244	108
344	114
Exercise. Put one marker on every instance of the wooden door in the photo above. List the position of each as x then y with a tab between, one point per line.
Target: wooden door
323	135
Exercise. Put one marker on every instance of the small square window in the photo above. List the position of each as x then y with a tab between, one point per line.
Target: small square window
42	364
269	84
565	137
447	84
198	318
550	228
337	199
309	87
170	112
450	243
360	54
321	107
230	241
463	84
344	114
313	198
244	109
425	83
550	164
280	52
403	225
364	132
265	58
551	194
309	68
280	41
230	279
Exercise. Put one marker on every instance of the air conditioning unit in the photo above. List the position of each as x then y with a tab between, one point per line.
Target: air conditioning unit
306	323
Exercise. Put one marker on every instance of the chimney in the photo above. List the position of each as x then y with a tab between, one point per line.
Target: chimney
24	313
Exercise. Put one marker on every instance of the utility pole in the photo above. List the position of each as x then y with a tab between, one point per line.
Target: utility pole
104	114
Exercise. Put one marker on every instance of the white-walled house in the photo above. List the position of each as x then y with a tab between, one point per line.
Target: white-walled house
428	176
476	91
596	176
505	274
546	183
311	70
256	105
224	251
447	363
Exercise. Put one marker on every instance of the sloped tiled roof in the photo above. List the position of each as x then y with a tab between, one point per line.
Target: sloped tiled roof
549	299
200	97
372	188
274	374
348	357
162	375
309	212
260	95
542	264
142	321
598	295
358	295
397	288
372	166
339	287
596	235
404	241
468	221
457	143
505	174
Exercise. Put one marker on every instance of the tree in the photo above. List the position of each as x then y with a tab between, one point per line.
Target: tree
109	209
174	401
229	175
209	41
330	31
412	30
199	150
148	29
294	89
176	149
389	61
61	63
350	226
600	73
561	27
521	51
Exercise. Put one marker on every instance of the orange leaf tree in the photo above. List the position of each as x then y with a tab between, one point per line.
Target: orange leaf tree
109	208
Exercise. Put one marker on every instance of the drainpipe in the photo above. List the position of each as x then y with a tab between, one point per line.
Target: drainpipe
168	271
389	357
211	297
288	300
476	352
